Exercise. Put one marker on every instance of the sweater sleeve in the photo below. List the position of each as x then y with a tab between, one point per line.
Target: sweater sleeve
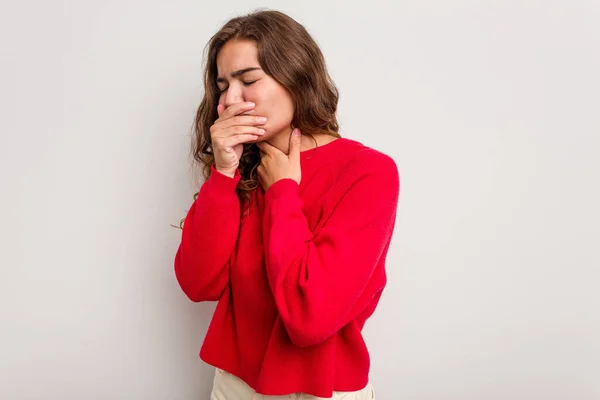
321	282
210	231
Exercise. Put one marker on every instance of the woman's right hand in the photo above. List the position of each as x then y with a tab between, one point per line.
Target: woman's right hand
229	133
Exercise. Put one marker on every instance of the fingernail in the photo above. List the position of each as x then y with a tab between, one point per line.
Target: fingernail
261	119
261	131
250	104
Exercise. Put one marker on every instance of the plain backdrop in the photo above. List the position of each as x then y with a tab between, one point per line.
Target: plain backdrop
490	108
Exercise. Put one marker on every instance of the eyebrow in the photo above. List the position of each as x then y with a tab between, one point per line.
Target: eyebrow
238	73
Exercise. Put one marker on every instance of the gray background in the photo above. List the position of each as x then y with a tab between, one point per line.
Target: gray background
491	109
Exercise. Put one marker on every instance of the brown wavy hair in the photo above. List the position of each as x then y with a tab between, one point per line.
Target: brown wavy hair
288	54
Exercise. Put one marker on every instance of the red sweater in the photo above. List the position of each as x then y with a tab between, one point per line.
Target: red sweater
297	277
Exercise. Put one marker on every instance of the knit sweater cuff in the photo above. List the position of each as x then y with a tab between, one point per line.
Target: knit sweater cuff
282	188
223	183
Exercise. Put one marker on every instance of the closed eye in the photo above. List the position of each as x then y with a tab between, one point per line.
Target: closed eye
245	84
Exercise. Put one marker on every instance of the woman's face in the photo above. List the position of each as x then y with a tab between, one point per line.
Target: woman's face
241	79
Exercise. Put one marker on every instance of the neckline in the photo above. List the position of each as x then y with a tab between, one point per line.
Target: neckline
323	149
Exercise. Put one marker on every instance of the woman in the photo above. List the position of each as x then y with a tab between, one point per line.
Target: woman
290	231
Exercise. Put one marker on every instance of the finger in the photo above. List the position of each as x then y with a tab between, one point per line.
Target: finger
233	141
265	148
236	109
242	120
236	130
220	109
295	142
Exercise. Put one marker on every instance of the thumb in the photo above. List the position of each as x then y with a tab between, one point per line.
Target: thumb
295	141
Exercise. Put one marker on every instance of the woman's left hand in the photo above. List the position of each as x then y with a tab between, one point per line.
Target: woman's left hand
275	165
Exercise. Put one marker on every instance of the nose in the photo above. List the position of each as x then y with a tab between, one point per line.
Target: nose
233	95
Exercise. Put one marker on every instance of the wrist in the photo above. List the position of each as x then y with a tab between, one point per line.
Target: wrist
228	173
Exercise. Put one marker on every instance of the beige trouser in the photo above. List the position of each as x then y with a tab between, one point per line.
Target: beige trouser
229	387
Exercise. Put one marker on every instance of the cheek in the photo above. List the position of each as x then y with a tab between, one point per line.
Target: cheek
285	104
272	101
276	103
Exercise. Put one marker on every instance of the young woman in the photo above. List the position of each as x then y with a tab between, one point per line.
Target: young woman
290	230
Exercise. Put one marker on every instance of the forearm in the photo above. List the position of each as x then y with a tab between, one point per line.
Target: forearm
209	235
